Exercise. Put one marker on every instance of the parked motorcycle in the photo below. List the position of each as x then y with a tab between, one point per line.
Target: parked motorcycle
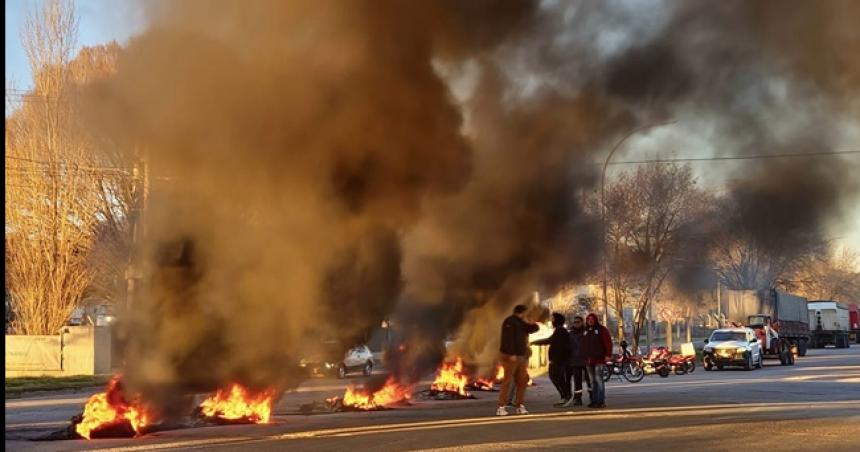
624	365
663	362
681	364
658	362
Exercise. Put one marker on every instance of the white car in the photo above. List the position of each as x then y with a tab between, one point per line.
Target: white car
358	358
732	347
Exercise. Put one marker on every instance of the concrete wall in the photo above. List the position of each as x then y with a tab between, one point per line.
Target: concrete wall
78	350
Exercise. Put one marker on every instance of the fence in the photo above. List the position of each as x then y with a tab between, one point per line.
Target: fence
77	350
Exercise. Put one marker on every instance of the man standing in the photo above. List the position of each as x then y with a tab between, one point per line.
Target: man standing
559	351
576	361
514	358
597	345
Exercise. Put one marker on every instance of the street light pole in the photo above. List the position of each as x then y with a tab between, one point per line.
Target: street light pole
603	208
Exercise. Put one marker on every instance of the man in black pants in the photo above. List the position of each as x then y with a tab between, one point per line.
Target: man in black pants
576	360
559	349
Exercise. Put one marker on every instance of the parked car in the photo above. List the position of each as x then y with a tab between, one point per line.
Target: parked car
732	347
356	359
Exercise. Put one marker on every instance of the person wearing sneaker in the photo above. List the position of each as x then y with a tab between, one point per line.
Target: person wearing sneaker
597	346
576	361
559	351
514	358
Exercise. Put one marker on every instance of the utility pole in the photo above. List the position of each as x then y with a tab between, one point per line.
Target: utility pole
140	195
719	305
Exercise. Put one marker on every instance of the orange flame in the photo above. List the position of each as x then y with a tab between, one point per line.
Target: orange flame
451	378
486	384
239	403
390	393
110	408
500	373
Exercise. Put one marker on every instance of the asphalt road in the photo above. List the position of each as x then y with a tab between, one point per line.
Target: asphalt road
812	405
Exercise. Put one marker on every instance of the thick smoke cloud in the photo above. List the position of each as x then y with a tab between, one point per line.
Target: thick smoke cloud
313	172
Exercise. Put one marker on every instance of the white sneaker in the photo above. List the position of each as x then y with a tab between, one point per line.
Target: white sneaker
501	411
522	410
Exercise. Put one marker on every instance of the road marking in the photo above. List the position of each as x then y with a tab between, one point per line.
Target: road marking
25	426
713	410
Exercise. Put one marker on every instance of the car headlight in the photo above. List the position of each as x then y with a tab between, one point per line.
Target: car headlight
741	350
328	365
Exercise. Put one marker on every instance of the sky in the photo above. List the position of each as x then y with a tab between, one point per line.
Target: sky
101	21
104	20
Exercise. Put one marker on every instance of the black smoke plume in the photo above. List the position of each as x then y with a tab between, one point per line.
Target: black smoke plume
315	171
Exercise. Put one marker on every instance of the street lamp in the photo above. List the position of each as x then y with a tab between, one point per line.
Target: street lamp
603	207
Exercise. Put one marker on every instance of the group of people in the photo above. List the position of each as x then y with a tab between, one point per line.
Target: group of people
577	354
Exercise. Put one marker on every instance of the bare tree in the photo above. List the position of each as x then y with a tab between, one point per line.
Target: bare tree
651	215
827	276
747	256
53	205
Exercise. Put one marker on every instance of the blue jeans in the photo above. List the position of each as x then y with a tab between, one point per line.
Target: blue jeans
598	387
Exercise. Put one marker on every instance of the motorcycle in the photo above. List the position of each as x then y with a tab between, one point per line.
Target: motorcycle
662	362
624	365
658	362
681	364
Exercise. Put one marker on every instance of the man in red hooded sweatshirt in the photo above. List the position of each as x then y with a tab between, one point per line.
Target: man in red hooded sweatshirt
597	347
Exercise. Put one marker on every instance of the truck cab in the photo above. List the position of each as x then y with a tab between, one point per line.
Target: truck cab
765	330
767	333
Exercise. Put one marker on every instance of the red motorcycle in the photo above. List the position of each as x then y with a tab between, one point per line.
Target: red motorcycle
658	362
662	362
624	364
681	364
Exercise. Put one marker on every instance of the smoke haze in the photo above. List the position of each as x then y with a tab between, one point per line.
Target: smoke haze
313	171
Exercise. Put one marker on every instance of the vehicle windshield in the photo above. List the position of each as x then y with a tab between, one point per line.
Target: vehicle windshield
728	336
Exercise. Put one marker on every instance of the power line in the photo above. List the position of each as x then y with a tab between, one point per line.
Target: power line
735	157
74	166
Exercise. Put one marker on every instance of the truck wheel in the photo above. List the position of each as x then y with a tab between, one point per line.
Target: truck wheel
748	365
760	362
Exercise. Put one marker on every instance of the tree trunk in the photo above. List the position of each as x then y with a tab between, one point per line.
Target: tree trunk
689	328
669	335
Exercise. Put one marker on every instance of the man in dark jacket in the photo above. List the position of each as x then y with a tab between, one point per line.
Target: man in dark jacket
576	361
559	352
514	358
597	345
